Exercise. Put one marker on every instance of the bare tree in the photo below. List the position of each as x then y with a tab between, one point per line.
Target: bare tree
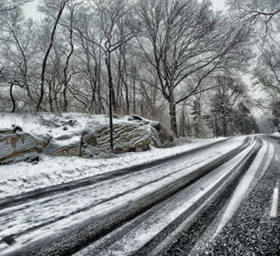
19	48
8	5
110	16
66	76
267	72
60	8
227	93
257	12
89	58
183	39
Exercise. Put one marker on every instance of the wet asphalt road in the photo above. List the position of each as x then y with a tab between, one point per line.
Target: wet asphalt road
75	237
251	231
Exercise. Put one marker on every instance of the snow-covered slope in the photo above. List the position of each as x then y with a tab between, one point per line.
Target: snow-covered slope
64	128
75	134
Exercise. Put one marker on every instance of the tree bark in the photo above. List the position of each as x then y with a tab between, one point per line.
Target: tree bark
173	119
65	70
12	98
111	95
45	60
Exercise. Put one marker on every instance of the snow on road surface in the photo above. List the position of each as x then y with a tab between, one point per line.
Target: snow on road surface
249	180
245	186
142	233
54	214
23	177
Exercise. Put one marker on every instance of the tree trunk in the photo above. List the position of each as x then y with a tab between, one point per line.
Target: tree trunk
50	97
225	133
111	95
172	110
45	60
12	98
173	120
217	126
134	96
101	108
65	70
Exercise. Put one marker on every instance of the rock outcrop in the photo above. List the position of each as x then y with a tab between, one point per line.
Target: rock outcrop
131	134
127	138
18	146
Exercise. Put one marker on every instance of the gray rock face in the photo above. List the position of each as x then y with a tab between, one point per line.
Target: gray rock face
131	134
16	147
127	138
67	150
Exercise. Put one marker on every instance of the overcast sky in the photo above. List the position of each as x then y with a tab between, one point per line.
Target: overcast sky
31	8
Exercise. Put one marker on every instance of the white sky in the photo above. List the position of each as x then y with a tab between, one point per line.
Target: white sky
31	11
219	4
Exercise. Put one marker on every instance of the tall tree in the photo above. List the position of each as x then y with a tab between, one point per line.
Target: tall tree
226	95
267	71
243	121
59	8
18	49
185	39
111	17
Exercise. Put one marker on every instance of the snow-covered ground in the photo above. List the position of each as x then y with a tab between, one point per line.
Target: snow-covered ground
68	126
65	129
31	220
22	177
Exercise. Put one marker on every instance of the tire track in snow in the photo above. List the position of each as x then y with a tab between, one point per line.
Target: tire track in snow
173	187
244	187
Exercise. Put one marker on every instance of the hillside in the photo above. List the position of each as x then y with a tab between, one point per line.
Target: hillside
26	136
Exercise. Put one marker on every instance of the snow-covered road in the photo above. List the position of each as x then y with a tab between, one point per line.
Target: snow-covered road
33	221
185	201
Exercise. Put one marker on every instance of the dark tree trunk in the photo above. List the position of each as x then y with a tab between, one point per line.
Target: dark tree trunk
172	111
134	96
44	64
111	96
216	126
225	126
66	79
12	98
50	97
173	119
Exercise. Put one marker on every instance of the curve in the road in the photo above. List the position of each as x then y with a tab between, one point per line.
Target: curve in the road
95	228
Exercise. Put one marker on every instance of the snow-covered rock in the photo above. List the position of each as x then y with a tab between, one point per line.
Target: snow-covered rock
127	138
75	134
18	146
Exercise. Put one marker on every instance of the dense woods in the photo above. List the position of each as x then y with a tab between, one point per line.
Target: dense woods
176	61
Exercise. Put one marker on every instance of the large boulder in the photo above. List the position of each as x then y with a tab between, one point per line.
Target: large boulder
78	135
127	138
134	135
54	149
18	146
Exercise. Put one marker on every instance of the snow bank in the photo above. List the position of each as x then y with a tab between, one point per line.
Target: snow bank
22	177
63	128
